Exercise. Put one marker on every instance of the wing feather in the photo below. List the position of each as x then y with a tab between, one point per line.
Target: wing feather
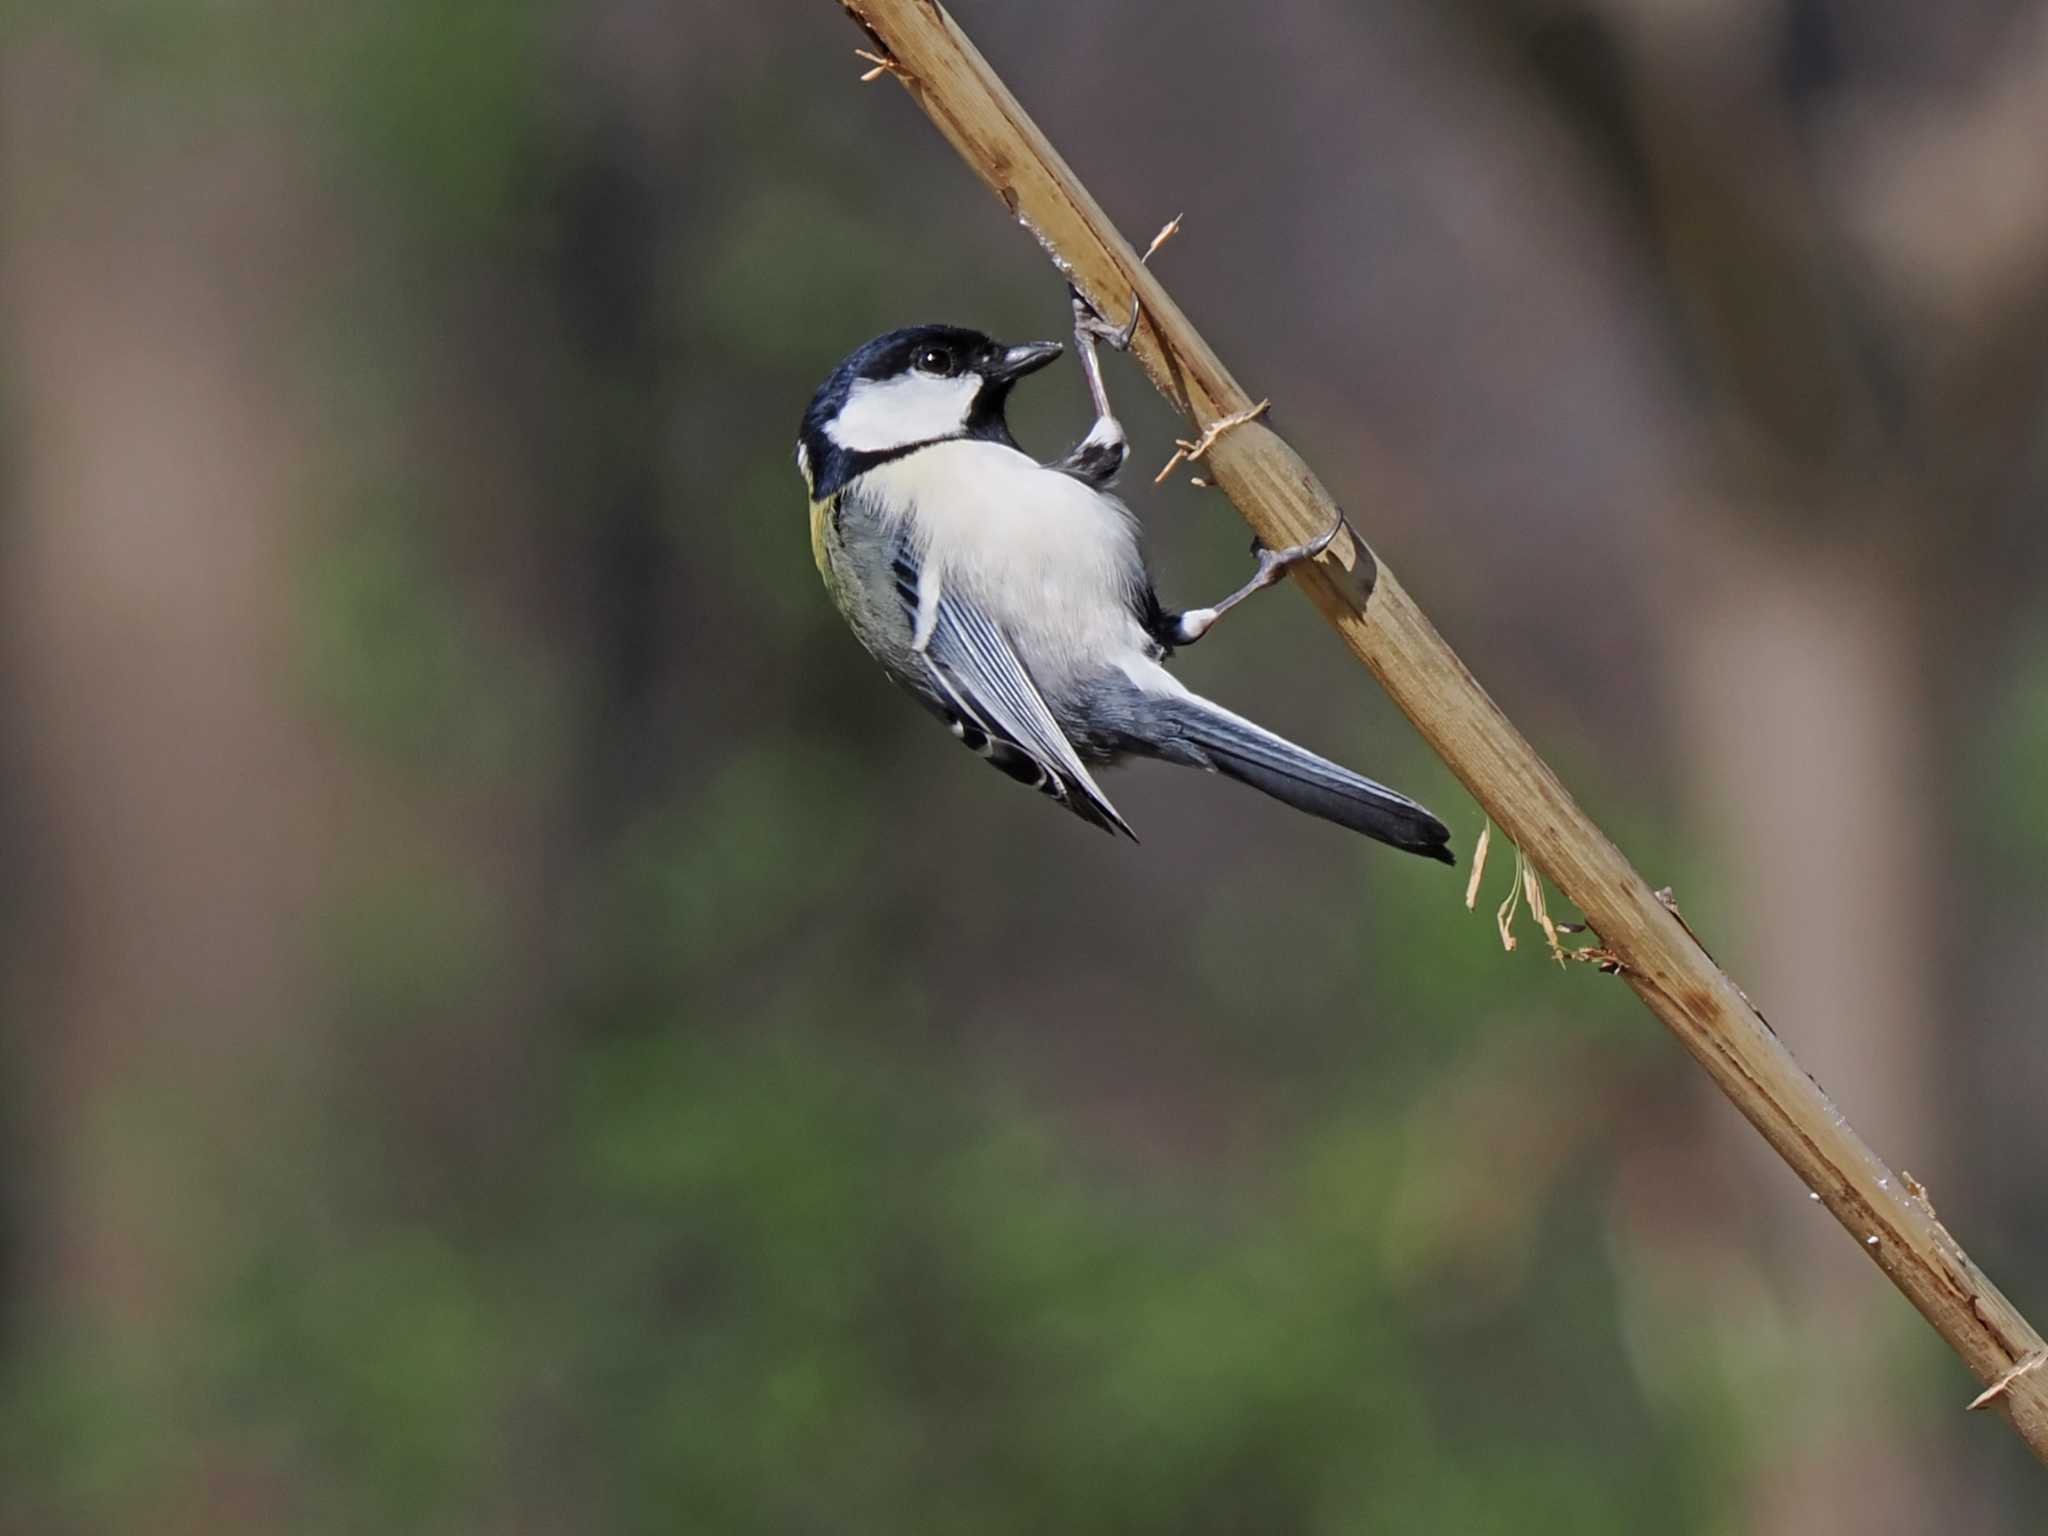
977	671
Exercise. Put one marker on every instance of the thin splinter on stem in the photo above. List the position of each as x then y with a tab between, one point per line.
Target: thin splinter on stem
883	66
2003	1385
1166	232
1187	452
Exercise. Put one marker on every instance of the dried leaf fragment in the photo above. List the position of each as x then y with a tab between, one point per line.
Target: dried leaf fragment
1532	888
1504	917
1528	886
1478	866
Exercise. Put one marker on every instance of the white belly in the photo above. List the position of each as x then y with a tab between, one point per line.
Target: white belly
1051	560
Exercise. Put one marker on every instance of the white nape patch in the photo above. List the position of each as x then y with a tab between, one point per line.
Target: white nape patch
893	413
803	465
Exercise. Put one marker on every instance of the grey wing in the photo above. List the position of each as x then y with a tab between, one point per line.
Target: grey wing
989	698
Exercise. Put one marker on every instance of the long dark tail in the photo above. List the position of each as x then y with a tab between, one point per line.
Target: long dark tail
1189	729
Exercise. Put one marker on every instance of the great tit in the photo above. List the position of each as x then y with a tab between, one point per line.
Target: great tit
1009	596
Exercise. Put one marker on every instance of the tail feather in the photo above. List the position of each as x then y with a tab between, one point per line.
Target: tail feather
1192	730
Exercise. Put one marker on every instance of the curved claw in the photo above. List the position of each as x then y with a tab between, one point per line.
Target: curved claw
1316	547
1088	318
1274	562
1121	339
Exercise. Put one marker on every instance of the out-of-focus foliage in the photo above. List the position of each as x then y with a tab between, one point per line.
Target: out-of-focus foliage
706	1100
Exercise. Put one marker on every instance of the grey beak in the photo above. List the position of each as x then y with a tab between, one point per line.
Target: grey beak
1020	360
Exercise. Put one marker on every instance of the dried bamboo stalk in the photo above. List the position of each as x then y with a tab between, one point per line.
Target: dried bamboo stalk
1286	504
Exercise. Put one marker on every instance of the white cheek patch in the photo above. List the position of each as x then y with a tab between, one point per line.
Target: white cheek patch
912	409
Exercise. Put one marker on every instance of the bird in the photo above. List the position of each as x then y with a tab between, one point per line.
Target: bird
1010	597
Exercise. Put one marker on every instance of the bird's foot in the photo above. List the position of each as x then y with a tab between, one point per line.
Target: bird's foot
1098	457
1091	325
1273	564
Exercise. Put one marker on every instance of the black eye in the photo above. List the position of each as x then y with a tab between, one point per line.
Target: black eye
935	360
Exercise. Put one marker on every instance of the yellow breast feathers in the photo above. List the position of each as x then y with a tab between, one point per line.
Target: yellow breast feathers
823	515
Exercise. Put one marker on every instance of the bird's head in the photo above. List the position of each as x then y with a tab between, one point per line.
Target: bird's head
923	384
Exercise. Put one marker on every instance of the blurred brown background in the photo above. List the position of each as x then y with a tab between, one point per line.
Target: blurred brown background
510	1023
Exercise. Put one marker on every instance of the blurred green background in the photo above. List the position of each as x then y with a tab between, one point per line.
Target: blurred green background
512	1025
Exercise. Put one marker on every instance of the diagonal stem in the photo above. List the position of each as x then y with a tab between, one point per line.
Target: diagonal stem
1285	504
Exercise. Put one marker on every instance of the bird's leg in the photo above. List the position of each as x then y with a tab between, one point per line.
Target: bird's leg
1189	627
1098	456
